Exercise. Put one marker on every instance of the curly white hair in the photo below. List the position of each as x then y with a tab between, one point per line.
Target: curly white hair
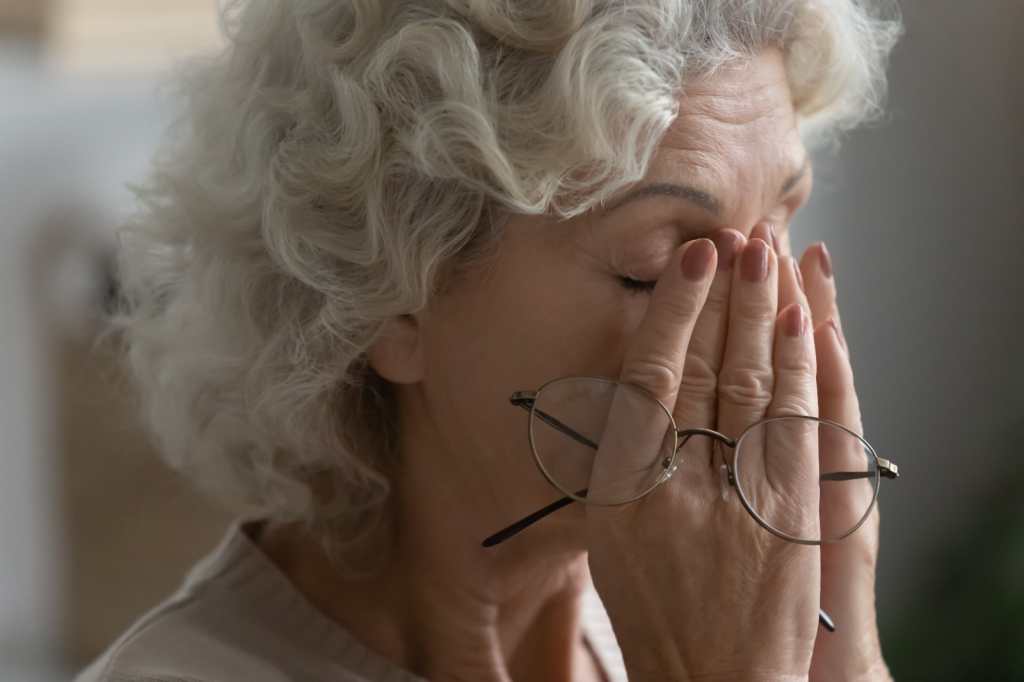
339	157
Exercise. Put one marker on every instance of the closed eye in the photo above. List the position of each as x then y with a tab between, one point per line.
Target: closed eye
637	286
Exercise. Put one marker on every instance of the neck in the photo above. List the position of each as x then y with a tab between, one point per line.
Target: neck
444	607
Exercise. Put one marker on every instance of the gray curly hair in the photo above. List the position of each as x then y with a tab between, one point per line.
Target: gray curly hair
340	158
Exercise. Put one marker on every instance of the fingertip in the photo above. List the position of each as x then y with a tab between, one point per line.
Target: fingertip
765	231
817	259
728	242
793	320
756	260
809	258
699	259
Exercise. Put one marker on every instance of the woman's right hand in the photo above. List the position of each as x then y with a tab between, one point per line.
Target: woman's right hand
694	588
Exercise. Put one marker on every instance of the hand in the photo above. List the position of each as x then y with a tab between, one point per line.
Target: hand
694	588
853	651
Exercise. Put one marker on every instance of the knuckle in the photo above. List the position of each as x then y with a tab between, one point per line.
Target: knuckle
717	304
655	375
700	381
754	311
799	395
746	387
794	405
681	307
797	364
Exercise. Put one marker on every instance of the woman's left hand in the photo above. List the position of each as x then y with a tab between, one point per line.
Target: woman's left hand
853	651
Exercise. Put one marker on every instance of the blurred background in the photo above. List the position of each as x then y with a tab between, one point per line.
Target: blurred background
922	212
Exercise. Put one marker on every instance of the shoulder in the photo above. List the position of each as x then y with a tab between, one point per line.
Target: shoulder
226	622
179	641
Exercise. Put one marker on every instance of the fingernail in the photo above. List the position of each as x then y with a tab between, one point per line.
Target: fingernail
799	275
697	260
825	259
754	261
794	321
766	231
728	244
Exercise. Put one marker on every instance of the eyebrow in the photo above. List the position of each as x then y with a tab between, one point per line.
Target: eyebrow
697	196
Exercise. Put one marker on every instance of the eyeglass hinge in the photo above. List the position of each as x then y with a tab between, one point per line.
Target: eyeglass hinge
888	468
523	399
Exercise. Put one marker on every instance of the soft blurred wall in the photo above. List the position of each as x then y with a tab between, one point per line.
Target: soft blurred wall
128	36
923	214
25	20
93	530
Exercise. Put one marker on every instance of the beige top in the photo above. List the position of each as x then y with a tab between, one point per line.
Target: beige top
237	618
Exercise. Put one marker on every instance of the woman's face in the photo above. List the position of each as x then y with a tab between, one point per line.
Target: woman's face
554	301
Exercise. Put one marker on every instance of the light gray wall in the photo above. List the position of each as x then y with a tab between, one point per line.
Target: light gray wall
67	146
923	214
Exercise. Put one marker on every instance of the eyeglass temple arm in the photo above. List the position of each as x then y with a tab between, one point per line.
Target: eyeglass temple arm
525	401
886	468
527	521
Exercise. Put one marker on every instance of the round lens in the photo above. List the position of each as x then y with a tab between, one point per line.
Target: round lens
600	441
804	479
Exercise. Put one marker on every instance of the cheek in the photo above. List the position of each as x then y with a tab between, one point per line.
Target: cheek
592	317
515	334
578	328
605	319
518	338
542	311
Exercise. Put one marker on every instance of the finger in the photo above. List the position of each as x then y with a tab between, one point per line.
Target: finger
765	230
745	383
655	358
795	365
785	244
696	404
816	266
843	504
654	364
837	395
790	279
790	454
791	286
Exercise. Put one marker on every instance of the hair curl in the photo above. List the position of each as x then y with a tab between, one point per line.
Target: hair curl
339	156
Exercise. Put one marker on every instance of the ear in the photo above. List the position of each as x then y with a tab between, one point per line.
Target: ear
397	353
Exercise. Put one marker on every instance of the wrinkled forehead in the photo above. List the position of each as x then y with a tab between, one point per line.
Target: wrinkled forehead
736	138
742	91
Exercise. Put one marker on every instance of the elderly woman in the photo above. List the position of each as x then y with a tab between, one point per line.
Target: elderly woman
478	313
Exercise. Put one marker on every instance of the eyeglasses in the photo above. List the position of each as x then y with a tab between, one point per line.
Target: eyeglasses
778	489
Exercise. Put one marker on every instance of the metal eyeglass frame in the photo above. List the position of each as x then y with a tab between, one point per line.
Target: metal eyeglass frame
527	401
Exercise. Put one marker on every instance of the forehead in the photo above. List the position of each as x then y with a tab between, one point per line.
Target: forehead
735	137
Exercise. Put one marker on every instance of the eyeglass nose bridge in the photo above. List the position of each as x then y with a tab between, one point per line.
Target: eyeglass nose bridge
671	463
684	435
